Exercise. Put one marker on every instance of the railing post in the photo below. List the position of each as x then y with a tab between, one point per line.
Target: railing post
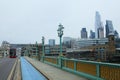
60	61
57	61
75	65
97	70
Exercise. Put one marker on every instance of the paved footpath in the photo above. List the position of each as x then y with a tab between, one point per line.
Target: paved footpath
52	72
29	72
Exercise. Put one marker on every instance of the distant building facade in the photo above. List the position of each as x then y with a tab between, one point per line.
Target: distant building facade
109	27
101	32
52	42
67	41
104	52
97	24
116	34
32	50
92	34
90	42
56	49
47	49
4	49
84	33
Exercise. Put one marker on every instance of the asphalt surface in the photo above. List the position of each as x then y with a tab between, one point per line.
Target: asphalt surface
6	65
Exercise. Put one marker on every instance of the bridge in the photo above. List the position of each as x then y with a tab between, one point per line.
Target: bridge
56	68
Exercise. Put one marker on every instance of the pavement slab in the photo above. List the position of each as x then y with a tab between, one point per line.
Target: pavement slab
52	72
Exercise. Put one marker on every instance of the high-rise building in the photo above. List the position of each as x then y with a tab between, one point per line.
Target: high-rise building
67	41
52	42
116	34
92	34
109	27
99	30
84	33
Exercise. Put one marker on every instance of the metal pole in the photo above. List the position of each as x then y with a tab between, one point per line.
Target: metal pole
60	46
36	49
60	34
42	58
60	55
43	45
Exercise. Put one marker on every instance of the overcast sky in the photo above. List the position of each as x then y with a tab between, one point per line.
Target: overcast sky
26	21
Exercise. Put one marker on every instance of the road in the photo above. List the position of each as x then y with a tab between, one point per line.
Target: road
6	65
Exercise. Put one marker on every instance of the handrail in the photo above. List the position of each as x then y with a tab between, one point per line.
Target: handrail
88	69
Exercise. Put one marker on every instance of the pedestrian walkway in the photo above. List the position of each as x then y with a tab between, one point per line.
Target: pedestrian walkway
29	72
52	72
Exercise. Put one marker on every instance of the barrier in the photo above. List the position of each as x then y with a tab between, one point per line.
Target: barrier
89	69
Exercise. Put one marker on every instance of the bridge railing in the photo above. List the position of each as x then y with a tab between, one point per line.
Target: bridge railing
89	69
51	60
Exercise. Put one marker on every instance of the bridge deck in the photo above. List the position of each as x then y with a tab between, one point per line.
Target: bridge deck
29	72
6	64
54	73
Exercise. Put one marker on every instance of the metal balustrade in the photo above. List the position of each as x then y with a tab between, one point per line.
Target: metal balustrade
89	69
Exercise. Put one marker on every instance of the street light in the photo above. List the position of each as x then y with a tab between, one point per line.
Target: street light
31	50
42	59
36	49
60	34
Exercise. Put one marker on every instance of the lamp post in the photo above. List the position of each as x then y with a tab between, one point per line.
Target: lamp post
30	50
42	59
60	34
36	49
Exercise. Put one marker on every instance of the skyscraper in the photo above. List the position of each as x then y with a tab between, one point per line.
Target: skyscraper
116	34
92	34
52	42
109	27
84	33
99	29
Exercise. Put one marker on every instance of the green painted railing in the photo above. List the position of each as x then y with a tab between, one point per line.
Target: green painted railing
89	69
51	60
